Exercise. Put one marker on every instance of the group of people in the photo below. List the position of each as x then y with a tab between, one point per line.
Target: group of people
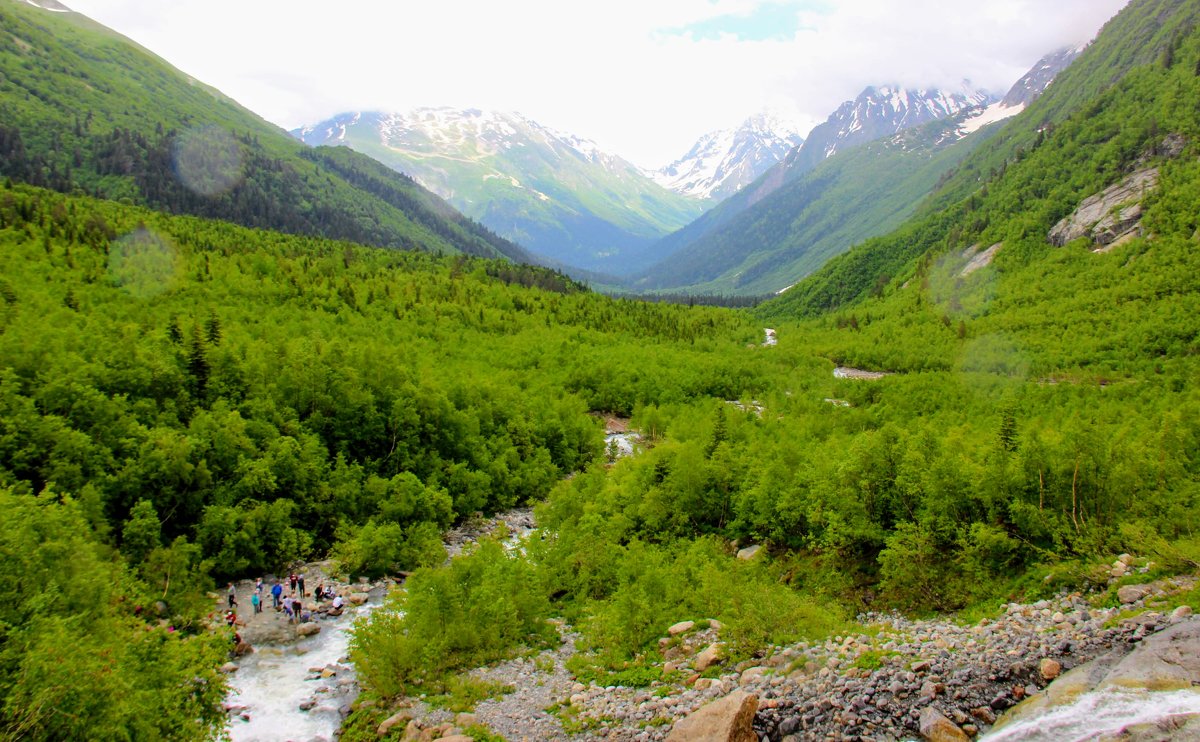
291	604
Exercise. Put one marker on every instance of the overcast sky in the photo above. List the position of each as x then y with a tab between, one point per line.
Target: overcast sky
643	78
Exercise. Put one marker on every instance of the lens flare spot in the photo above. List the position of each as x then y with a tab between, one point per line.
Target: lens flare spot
208	160
144	263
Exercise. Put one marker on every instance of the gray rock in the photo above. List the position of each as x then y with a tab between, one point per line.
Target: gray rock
1133	593
749	552
1109	215
935	727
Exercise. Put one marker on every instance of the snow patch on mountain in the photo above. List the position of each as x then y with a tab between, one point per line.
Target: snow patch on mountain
989	115
51	5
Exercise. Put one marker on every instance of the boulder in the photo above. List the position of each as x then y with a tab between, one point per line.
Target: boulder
750	674
396	719
1133	593
464	720
307	629
357	598
935	727
711	655
729	719
1050	669
1168	660
749	552
681	628
229	667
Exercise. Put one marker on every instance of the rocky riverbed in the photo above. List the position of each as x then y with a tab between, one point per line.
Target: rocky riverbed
896	679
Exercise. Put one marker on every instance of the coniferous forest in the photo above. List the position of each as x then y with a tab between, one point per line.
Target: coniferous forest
193	391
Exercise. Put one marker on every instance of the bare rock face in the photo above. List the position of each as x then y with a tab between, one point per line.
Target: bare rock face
749	552
1168	660
307	629
729	719
1110	215
977	259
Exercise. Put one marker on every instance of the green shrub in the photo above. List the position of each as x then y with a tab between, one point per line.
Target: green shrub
480	608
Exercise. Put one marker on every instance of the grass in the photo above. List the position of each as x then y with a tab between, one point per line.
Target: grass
464	692
872	659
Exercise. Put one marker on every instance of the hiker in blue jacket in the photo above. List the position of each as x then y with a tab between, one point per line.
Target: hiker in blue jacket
276	591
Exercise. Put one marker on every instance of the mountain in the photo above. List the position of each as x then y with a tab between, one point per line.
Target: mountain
82	108
1110	110
558	195
723	162
876	112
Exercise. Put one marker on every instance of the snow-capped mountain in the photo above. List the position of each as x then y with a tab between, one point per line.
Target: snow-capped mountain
1039	77
722	162
877	112
1023	92
557	194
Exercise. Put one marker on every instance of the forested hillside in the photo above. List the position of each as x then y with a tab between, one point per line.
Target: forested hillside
84	109
1112	106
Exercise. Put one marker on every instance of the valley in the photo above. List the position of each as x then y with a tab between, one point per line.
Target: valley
942	481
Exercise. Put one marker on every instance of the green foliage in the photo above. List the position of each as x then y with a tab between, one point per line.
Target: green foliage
464	692
379	548
76	658
481	608
637	675
262	417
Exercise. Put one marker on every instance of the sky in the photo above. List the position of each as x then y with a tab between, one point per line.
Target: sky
642	78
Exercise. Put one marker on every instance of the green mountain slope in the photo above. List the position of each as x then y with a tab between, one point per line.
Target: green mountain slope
556	195
792	232
83	108
1063	148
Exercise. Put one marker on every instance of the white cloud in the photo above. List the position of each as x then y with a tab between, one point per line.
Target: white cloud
607	71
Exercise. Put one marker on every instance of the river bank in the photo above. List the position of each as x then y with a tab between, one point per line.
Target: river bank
891	680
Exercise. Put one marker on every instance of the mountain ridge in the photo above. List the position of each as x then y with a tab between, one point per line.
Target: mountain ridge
559	195
853	124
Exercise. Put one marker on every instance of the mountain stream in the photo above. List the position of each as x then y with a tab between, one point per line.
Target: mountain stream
274	683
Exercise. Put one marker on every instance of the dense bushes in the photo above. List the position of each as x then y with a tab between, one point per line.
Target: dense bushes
480	608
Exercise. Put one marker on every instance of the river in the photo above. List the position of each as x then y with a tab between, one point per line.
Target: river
1100	715
272	683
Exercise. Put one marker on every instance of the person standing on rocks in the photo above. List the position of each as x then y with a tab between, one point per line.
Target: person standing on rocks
276	592
256	601
300	582
232	596
292	579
